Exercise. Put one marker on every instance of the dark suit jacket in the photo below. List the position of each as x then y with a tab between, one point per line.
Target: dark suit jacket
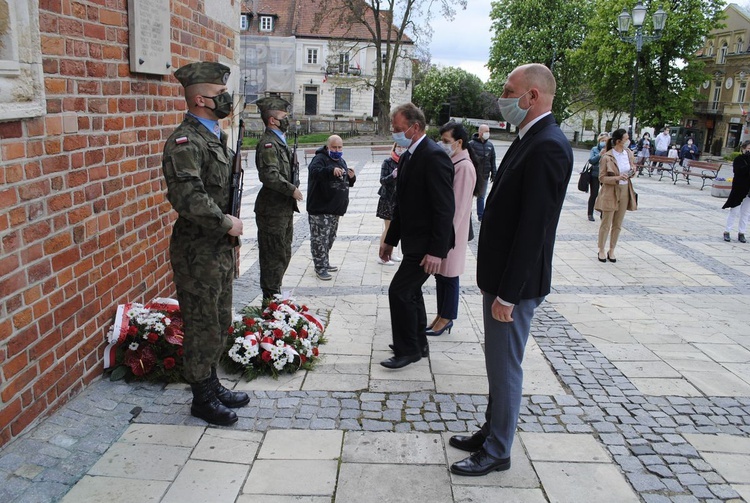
517	236
423	217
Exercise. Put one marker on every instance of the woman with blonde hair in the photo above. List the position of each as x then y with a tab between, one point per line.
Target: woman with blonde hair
616	195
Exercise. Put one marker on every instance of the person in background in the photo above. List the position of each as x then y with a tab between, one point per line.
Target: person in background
278	197
387	199
328	185
689	151
596	153
197	167
674	152
514	257
738	201
662	142
644	151
455	142
484	151
616	194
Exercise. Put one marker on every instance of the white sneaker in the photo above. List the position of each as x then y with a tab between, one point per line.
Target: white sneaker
385	262
395	258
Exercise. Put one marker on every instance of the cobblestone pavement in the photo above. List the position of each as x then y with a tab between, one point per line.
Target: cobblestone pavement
648	358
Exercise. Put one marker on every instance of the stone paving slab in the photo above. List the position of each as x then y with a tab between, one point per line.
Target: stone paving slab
598	374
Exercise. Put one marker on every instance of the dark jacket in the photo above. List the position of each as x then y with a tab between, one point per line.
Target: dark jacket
327	194
740	182
689	152
485	152
273	159
517	237
594	157
423	217
387	191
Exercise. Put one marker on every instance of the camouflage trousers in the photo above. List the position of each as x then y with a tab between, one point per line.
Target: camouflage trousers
322	235
274	250
204	289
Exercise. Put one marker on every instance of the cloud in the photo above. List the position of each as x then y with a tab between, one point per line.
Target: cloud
465	41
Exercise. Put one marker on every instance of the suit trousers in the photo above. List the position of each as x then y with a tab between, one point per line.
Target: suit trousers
447	296
742	211
613	219
505	343
274	250
408	316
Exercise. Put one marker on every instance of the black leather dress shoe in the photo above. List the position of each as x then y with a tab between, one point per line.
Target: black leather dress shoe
398	362
425	350
468	443
478	464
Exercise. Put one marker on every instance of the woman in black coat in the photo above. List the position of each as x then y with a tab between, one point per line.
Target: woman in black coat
738	201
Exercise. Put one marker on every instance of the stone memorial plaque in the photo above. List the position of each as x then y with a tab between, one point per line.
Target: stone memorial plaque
148	21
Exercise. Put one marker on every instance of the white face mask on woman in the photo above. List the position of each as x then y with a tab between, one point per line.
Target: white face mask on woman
447	148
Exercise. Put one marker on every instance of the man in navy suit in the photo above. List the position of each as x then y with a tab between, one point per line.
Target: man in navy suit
514	261
423	222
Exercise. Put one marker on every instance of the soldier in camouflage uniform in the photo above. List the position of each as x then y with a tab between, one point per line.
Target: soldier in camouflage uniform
277	199
197	166
328	183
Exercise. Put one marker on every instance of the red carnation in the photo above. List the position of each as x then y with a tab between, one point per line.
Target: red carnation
293	334
169	363
266	356
302	359
277	333
230	329
303	334
273	306
315	351
152	337
132	330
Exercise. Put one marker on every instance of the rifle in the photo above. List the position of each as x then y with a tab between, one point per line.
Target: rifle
238	176
295	160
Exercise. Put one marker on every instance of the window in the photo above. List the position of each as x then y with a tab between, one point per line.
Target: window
716	96
244	22
741	92
723	54
343	62
266	23
384	58
710	50
739	46
343	100
588	124
608	126
312	56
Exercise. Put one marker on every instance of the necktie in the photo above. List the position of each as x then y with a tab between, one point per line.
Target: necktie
405	158
217	130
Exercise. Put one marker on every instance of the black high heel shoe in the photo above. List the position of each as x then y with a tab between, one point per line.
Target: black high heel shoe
613	260
447	327
599	258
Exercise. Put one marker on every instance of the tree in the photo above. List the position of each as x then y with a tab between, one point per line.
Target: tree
387	24
666	82
539	31
449	85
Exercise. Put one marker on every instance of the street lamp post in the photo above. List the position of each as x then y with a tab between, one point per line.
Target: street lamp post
623	25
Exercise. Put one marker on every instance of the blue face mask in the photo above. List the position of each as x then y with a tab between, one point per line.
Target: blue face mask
602	144
335	155
401	139
510	110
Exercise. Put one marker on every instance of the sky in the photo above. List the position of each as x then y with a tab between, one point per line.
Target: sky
465	41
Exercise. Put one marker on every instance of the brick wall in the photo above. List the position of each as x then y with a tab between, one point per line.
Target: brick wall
84	222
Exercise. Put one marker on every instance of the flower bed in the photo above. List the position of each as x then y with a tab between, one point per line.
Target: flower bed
145	341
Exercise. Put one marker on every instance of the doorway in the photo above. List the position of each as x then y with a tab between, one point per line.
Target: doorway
311	100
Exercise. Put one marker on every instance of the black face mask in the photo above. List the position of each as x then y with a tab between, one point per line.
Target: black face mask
222	104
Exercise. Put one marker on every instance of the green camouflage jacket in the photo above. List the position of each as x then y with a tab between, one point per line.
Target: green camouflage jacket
274	162
198	169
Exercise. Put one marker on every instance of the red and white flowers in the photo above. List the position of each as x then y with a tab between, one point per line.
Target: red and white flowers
282	337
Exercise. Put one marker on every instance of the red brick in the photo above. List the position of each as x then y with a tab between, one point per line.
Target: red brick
65	259
48	377
15	365
53	45
28	415
13	151
59	202
8	198
44	345
13	283
39	271
74	142
21	340
8	264
35	232
92	30
9	412
70	28
55	85
11	130
35	190
89	87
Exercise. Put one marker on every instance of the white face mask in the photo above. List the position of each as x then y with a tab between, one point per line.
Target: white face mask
447	148
486	136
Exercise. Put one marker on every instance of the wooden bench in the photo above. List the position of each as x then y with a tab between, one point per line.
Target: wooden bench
309	152
380	150
660	164
704	170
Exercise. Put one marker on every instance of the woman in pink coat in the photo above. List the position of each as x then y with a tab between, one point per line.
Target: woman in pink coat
455	142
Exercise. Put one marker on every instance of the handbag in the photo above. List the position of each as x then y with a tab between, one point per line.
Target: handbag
584	179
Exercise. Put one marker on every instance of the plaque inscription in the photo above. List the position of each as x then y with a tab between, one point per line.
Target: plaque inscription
148	21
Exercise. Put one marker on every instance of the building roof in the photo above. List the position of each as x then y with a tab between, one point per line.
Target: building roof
303	18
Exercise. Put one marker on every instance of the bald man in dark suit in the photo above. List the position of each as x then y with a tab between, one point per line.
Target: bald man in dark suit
514	261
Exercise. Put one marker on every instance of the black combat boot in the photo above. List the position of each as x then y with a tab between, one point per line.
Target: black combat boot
208	407
232	399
